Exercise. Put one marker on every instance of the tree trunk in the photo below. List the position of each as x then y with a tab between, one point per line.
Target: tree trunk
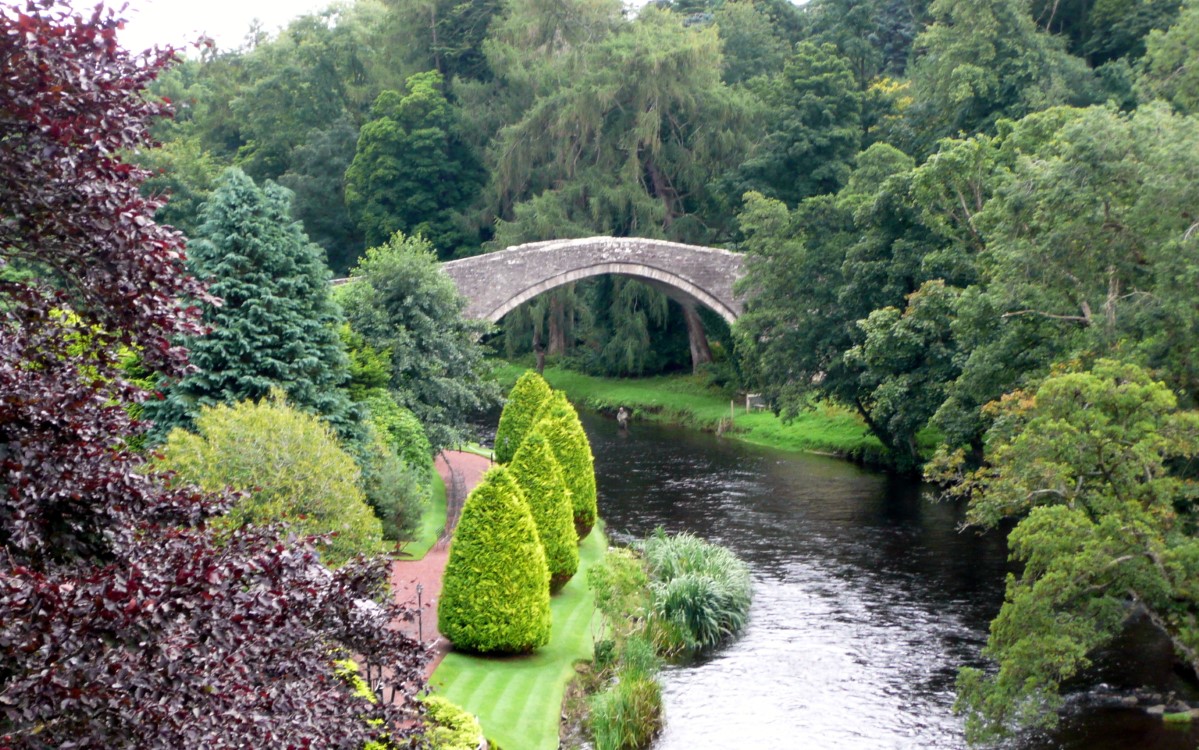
557	327
539	350
700	353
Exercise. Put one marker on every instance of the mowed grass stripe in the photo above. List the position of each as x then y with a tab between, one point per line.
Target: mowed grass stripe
432	521
519	699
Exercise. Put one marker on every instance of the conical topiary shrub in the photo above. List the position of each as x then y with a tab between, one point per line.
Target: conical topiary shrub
540	478
527	398
559	424
495	594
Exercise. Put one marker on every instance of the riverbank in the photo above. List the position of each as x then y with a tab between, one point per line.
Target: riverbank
685	400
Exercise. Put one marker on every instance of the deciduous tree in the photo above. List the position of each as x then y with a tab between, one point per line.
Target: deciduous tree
1087	463
402	302
410	171
125	621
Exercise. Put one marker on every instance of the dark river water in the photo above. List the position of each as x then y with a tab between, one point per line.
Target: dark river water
867	599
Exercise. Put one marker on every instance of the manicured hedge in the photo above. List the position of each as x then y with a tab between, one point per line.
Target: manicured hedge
525	401
540	478
559	423
495	596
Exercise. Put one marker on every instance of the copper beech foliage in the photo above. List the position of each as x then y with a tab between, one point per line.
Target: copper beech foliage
124	620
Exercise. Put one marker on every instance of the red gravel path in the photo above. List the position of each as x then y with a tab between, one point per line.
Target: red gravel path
406	574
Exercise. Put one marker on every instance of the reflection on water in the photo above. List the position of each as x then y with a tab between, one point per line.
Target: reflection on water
867	600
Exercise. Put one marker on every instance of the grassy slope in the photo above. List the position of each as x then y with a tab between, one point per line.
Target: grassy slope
684	400
432	522
518	699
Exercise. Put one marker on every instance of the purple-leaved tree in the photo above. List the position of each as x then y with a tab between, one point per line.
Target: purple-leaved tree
125	620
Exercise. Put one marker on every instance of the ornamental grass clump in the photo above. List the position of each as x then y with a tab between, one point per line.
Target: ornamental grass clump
525	402
540	478
559	423
495	597
700	592
628	714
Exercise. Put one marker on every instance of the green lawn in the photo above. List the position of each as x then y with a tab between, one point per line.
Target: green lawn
519	699
685	400
432	522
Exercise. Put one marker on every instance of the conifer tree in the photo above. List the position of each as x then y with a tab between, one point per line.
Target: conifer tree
525	401
274	328
559	423
495	596
540	478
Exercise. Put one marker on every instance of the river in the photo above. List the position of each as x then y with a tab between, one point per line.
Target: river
866	601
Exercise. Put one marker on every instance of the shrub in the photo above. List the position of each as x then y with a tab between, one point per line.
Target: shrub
621	589
401	429
395	491
525	401
290	465
449	726
559	423
495	596
540	478
701	592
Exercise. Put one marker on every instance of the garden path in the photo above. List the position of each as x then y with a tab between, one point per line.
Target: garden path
406	574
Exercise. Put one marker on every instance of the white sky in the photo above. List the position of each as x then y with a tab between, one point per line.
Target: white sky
180	22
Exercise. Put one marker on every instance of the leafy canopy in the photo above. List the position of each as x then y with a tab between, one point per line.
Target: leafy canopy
1088	464
401	301
290	466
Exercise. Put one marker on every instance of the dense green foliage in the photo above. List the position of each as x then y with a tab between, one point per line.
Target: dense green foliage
558	423
401	302
678	595
401	429
495	597
525	400
290	466
950	200
1088	461
410	171
627	713
448	726
396	490
540	478
273	328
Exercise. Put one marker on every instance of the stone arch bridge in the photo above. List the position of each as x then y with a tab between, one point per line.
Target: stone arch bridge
496	283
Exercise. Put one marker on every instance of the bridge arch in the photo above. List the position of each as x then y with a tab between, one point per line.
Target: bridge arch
496	283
